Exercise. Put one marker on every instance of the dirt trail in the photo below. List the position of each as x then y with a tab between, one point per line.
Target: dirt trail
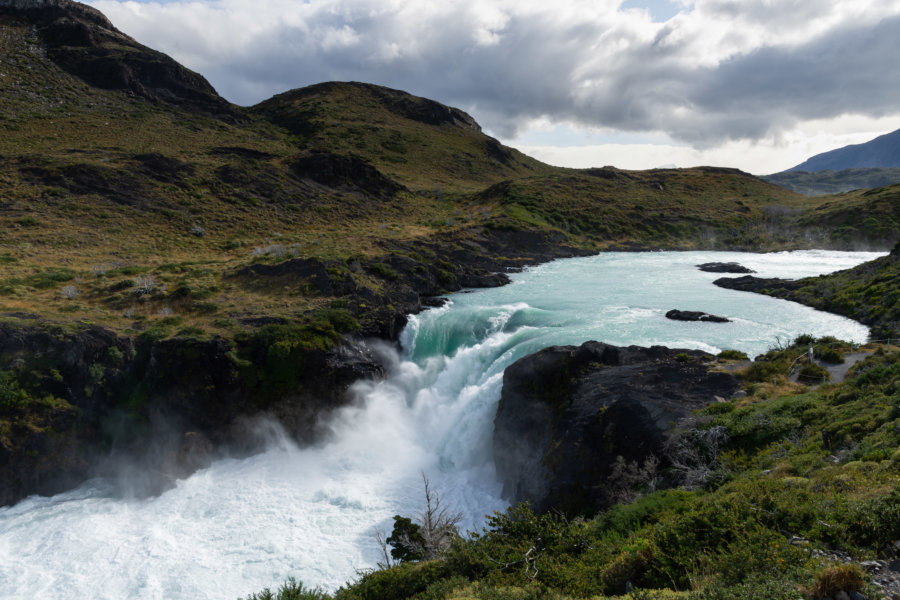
838	372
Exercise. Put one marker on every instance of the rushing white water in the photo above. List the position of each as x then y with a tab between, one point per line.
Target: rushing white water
241	525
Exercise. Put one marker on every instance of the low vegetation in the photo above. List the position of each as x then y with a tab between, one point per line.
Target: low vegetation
805	477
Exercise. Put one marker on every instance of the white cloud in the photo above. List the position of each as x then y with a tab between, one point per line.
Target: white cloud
761	157
720	74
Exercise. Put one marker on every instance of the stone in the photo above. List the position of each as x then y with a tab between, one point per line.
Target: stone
690	315
724	267
567	414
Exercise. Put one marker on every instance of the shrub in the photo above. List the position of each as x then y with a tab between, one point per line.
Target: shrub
290	590
732	355
384	271
11	394
828	354
763	370
804	340
400	581
836	578
812	373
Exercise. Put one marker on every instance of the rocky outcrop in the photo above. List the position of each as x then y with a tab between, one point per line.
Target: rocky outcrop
749	283
410	274
567	413
724	267
338	171
82	41
71	396
691	315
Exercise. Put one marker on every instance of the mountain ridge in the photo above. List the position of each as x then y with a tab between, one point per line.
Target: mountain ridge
880	152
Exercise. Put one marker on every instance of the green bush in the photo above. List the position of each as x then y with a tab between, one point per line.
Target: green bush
400	581
804	340
765	371
812	373
384	271
11	395
828	354
290	590
732	355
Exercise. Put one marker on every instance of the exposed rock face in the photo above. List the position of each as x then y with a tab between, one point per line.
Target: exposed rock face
164	403
336	171
724	267
691	315
748	283
566	413
409	284
82	41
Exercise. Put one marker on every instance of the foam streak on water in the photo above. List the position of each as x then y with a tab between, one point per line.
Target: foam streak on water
241	525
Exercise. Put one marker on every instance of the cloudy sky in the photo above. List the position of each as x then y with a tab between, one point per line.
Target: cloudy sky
756	84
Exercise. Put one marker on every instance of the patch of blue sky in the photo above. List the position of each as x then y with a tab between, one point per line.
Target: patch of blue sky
660	10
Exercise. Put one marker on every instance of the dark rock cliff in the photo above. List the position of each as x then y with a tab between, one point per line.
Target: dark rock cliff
73	397
567	413
82	41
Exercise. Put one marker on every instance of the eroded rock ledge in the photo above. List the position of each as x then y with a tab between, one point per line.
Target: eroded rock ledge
566	413
163	405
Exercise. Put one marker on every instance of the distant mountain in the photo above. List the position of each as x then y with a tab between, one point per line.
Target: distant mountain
873	164
883	151
823	183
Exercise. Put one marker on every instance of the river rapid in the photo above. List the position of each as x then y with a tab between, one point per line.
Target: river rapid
313	513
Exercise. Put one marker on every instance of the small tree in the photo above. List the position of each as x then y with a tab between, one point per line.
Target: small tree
406	541
430	536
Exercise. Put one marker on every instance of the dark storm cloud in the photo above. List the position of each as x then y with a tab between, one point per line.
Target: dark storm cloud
723	70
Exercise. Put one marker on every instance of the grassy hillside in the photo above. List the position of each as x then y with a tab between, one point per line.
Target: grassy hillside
675	208
856	220
424	145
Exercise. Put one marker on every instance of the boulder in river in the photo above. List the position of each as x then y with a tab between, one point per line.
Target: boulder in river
724	267
692	315
567	414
